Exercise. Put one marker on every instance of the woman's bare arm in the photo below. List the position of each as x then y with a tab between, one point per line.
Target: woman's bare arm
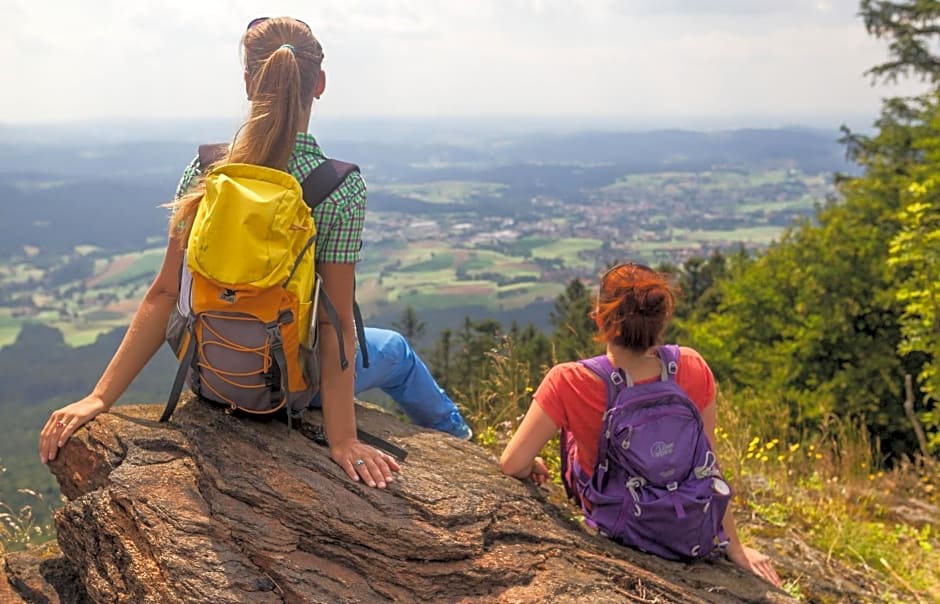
337	386
141	341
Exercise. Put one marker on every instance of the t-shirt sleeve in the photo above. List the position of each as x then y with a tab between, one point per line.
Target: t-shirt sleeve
339	221
549	397
565	386
695	377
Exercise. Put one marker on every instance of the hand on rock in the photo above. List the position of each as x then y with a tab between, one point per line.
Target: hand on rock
539	473
756	562
363	462
64	422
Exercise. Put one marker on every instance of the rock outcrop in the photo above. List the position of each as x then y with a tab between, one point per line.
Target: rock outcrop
211	508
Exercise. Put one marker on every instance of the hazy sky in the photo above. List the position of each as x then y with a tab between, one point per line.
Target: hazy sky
660	61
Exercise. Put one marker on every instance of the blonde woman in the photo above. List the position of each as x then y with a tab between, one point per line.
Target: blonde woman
283	76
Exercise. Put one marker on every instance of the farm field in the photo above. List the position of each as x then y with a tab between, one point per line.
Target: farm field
456	258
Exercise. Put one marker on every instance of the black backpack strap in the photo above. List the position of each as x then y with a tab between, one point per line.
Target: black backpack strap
360	332
211	153
379	443
331	313
319	185
186	362
318	435
325	179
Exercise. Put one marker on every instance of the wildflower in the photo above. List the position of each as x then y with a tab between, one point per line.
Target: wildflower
780	457
753	444
764	458
794	447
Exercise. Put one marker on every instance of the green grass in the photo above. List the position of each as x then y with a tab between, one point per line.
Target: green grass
525	245
704	181
569	250
19	273
761	234
402	279
9	327
484	260
446	191
803	203
520	295
430	300
436	262
146	264
83	333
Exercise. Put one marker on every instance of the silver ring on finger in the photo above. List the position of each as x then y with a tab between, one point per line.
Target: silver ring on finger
60	423
359	462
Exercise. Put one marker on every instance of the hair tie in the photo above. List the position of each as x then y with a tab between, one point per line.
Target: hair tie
289	47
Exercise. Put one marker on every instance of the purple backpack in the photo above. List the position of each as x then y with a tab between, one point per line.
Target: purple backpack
656	486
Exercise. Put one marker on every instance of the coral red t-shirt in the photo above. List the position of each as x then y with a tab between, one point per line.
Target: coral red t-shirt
576	398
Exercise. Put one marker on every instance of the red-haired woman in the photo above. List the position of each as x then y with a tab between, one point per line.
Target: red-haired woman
634	305
283	76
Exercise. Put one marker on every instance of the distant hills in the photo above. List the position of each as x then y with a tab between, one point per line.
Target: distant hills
57	195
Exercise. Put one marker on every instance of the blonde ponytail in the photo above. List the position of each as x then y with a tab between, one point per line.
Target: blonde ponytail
282	66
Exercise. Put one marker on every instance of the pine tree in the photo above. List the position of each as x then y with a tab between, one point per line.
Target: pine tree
912	28
574	327
409	325
441	362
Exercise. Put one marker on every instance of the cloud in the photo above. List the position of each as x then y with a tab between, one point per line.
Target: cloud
607	58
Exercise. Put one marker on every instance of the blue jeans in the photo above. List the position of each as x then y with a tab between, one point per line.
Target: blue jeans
399	372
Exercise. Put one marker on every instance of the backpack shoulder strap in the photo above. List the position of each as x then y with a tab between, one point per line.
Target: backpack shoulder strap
211	153
613	379
325	179
669	356
319	185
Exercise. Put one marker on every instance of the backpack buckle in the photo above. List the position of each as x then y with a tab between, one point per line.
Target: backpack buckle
616	378
673	368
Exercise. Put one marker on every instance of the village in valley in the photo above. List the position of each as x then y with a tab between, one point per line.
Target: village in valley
457	243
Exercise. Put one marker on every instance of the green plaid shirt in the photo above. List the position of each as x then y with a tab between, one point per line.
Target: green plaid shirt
339	219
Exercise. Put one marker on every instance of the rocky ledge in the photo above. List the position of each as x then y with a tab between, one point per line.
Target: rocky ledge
212	508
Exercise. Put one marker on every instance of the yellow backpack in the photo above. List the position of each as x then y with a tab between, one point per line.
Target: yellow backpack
244	328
